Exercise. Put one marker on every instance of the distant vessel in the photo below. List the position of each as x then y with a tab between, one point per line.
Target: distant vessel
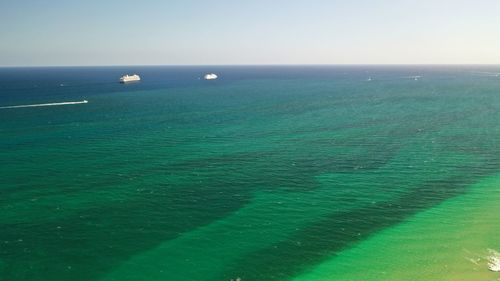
210	76
130	78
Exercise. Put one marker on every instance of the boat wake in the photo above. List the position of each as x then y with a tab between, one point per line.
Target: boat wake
413	77
44	104
486	74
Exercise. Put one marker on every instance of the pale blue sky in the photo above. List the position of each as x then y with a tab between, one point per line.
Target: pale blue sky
111	32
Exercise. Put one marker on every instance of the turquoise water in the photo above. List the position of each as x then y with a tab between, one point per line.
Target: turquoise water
268	173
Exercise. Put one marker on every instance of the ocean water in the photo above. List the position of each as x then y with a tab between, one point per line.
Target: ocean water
268	173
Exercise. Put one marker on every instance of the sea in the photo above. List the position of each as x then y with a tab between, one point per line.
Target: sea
280	173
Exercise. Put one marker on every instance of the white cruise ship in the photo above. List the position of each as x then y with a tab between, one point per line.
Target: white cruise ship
130	78
210	76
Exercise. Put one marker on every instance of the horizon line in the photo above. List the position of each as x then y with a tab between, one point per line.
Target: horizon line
242	65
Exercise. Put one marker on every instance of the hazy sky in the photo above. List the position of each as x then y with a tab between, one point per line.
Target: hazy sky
109	32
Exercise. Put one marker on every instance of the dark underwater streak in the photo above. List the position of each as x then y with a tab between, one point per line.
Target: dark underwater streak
108	230
147	224
288	258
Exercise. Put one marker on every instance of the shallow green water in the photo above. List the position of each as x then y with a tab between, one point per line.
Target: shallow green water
452	241
276	174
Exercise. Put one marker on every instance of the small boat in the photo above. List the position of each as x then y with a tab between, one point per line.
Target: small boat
130	78
210	76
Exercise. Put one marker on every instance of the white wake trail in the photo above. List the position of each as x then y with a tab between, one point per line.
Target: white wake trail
44	104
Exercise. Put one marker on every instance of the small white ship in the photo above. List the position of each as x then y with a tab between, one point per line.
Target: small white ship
130	78
210	76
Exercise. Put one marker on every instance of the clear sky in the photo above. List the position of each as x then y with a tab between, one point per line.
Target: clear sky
112	32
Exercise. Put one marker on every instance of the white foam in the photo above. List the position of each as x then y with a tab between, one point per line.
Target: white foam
494	261
45	104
